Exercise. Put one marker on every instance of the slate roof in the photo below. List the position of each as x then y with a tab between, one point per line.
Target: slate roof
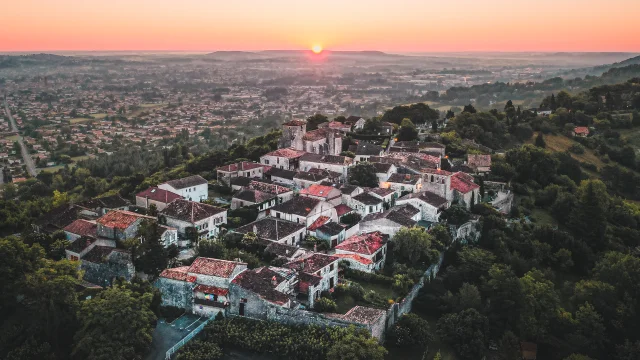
331	228
265	228
214	267
59	217
260	281
406	210
363	244
82	227
367	199
159	195
254	196
348	189
463	183
382	167
189	181
190	211
328	173
312	263
241	181
279	249
300	205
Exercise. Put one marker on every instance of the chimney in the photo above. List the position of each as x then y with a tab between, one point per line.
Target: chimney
274	281
146	203
255	229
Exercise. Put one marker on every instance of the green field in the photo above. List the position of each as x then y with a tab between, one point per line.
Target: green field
561	143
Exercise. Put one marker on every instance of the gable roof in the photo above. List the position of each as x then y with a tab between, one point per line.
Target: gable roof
311	263
261	282
427	197
477	160
120	219
178	273
299	205
410	179
214	267
368	149
286	153
266	227
363	244
281	173
241	166
159	195
321	220
318	190
254	196
367	199
190	211
342	209
82	227
391	215
326	159
463	183
331	228
186	182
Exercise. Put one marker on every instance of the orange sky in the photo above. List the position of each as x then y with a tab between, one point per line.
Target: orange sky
391	25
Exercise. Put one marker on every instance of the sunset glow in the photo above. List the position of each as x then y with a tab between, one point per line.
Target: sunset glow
316	49
400	25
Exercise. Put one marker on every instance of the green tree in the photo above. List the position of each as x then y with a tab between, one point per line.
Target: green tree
410	331
315	120
407	131
412	246
540	304
363	174
116	324
466	331
200	350
588	220
356	346
149	253
540	141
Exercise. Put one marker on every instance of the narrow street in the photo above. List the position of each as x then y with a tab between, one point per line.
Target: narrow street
26	157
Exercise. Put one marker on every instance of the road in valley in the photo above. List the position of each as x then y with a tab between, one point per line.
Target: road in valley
26	157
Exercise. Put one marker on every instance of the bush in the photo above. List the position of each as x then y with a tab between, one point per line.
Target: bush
324	304
367	277
577	149
410	331
200	350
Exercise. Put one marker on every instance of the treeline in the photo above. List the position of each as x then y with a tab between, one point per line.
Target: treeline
570	286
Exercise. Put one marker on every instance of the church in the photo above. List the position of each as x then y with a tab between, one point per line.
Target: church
325	141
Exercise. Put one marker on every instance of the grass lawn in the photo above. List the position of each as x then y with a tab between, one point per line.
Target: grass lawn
13	138
561	143
633	136
542	217
53	169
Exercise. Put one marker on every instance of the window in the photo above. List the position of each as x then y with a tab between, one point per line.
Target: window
331	267
265	161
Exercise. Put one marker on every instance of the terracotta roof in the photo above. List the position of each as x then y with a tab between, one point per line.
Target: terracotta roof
582	130
179	273
476	160
261	282
410	179
463	183
364	244
214	267
254	196
356	257
286	153
319	134
82	227
318	190
159	195
190	211
318	222
363	315
210	290
120	219
312	263
343	209
244	165
307	280
263	186
187	182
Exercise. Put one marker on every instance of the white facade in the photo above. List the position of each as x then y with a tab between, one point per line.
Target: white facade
192	193
207	228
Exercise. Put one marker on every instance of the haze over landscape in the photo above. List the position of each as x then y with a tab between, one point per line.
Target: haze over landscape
335	180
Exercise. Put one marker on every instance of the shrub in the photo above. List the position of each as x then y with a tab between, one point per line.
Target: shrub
324	304
200	350
577	149
410	331
367	277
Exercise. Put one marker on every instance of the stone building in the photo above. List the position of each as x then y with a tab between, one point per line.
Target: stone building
194	188
119	224
206	219
366	252
155	196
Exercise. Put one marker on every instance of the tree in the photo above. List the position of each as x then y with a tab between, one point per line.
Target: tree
450	114
315	120
466	331
407	131
468	298
540	303
153	210
60	198
363	174
356	346
410	331
325	305
540	141
200	350
412	246
372	126
149	253
116	324
469	109
588	220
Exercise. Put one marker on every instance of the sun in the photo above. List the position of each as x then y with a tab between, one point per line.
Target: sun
316	49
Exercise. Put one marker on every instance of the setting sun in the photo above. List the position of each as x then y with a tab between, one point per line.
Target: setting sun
316	49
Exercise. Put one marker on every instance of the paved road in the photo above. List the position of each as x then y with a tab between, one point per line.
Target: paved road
28	161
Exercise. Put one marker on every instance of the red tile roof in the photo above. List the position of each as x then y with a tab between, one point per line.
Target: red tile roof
179	273
82	227
477	160
317	190
244	165
159	195
214	267
356	257
463	183
286	153
120	219
365	244
211	290
319	222
343	209
312	263
581	130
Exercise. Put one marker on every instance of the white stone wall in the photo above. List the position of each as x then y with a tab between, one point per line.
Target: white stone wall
339	168
193	193
142	202
427	211
277	162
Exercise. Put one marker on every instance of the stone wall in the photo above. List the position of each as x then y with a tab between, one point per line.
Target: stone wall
176	293
104	273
